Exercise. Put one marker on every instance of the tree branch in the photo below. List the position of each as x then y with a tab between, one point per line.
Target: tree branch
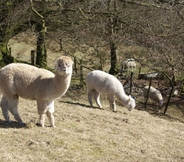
82	13
33	9
141	3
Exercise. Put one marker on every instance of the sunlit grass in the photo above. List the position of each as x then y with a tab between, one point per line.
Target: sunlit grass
86	134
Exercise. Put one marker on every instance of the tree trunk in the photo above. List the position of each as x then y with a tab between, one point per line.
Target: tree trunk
113	32
41	56
5	55
113	69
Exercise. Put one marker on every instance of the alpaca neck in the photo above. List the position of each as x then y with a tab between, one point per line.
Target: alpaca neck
122	97
61	84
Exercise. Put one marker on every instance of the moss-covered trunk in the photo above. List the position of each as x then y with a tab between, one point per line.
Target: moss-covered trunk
5	55
41	56
113	69
113	23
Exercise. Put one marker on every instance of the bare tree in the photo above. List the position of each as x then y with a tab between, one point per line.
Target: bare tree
41	29
155	26
159	30
12	21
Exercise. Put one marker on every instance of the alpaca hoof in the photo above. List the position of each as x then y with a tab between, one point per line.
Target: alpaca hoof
8	121
22	123
39	125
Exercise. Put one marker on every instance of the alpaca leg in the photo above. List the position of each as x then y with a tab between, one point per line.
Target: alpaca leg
97	98
90	97
4	107
144	100
148	100
51	118
42	106
112	103
49	112
13	108
42	119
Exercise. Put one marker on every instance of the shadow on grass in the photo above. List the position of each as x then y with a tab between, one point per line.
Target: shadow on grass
13	124
81	104
158	112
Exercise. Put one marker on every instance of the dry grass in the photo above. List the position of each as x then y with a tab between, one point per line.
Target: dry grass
86	134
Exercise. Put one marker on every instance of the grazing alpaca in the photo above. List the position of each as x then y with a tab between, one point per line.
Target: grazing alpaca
154	95
100	82
29	82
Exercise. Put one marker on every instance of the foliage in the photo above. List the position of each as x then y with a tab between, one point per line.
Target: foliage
11	23
155	26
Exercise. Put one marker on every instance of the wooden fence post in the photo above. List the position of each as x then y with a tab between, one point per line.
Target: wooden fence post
32	57
131	75
139	71
60	44
75	65
171	92
81	73
147	96
10	51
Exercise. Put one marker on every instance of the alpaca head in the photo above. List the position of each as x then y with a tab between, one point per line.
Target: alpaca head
64	65
131	103
160	103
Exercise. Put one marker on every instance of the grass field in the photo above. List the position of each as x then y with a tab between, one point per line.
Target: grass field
87	134
92	135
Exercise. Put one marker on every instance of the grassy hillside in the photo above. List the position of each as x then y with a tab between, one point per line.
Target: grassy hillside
87	134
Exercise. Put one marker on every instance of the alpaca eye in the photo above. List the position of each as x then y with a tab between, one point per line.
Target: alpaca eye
67	64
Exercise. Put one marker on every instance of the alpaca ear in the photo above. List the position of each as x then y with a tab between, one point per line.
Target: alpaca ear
128	99
56	64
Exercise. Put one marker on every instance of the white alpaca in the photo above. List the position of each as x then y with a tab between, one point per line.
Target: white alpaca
100	82
174	93
154	95
128	64
29	82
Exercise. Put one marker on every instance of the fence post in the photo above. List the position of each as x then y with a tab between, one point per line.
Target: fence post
32	57
10	51
61	45
139	70
147	96
75	65
81	73
131	82
168	101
